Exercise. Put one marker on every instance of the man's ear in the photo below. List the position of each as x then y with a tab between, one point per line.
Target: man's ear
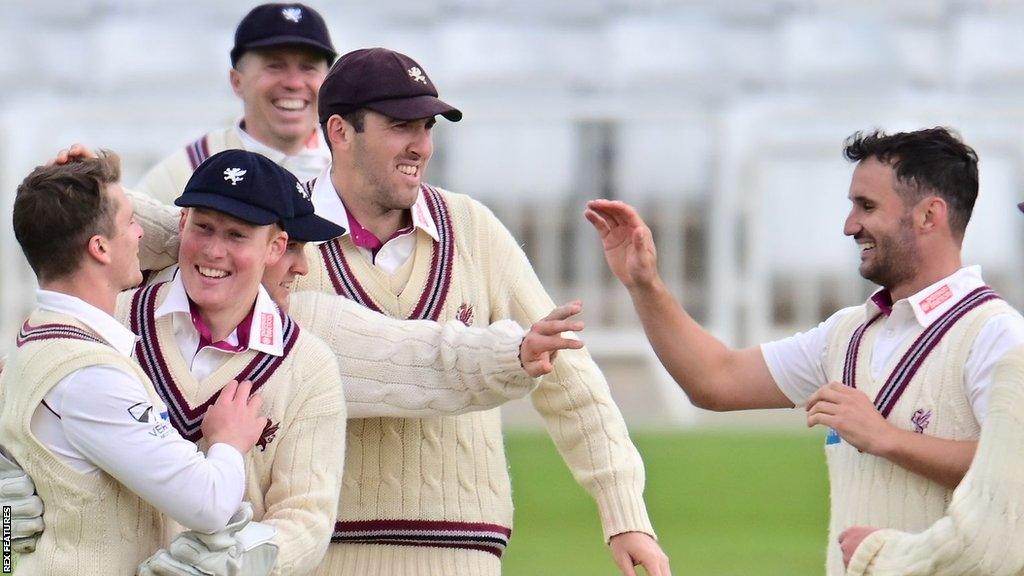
98	249
934	214
339	132
181	220
235	79
277	247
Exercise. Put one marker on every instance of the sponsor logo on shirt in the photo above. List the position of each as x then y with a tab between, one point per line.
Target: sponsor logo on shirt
936	299
266	328
465	314
142	412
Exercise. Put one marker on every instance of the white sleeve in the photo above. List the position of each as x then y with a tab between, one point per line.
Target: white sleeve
999	335
107	416
797	363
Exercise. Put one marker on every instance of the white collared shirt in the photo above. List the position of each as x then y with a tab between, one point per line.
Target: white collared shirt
96	419
266	333
396	251
797	363
309	162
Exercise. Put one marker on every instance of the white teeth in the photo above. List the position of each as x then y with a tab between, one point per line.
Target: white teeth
290	103
407	169
212	272
867	246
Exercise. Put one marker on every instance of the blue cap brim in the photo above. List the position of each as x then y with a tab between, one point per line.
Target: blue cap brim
312	228
230	206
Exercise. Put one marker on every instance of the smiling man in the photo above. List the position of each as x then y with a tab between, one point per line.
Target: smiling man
279	59
902	380
432	495
214	321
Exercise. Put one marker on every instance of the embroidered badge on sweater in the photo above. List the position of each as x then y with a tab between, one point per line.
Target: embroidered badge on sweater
921	419
187	420
438	282
268	434
465	314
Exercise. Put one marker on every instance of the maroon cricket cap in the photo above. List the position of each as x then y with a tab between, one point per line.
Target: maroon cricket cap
384	81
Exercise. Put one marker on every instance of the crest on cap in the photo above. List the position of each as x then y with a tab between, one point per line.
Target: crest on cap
302	191
416	74
292	13
234	175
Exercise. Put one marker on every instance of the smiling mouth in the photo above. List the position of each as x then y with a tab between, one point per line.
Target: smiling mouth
866	246
290	104
212	273
408	169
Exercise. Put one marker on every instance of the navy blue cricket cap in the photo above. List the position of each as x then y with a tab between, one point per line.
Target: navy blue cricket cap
384	81
305	226
242	184
282	25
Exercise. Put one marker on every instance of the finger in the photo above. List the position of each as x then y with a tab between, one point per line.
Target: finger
565	310
255	403
597	221
27	507
825	393
244	390
555	327
625	564
550	344
823	407
227	393
823	420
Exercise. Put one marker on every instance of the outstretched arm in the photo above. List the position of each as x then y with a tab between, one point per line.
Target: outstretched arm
418	368
713	375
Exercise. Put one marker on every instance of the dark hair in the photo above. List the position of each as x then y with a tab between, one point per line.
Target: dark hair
932	161
357	118
58	208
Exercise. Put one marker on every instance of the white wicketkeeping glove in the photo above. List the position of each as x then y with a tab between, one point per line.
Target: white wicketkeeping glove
242	548
18	492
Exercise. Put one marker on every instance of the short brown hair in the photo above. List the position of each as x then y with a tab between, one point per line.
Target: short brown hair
58	208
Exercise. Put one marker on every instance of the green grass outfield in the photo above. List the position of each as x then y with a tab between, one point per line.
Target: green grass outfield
724	503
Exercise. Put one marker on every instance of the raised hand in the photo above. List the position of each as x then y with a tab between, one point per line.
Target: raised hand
627	241
544	340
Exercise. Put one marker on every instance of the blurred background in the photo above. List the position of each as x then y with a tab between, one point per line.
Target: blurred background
722	120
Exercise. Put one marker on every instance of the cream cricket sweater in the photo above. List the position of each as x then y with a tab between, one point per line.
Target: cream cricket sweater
869	490
415	368
166	180
440	486
292	473
982	533
94	525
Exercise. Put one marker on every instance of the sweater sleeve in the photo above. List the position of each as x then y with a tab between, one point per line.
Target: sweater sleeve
983	530
574	398
159	221
415	368
305	483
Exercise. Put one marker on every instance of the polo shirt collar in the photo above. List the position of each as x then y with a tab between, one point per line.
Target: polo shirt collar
265	332
928	304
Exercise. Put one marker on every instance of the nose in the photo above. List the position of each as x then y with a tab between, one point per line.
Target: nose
852	226
213	248
422	144
292	78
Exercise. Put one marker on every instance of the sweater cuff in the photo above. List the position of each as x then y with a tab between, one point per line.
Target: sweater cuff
624	511
865	554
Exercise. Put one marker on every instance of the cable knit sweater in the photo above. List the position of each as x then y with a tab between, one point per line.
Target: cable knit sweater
439	487
94	525
292	473
982	533
872	491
